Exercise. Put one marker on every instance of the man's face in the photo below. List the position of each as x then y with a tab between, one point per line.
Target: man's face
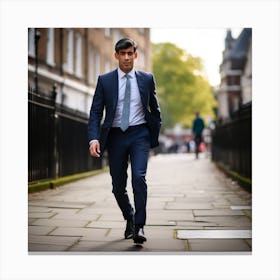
126	59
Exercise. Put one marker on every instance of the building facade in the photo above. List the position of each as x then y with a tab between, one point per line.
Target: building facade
232	136
73	58
235	88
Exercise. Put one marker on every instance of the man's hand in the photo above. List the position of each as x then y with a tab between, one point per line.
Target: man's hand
94	148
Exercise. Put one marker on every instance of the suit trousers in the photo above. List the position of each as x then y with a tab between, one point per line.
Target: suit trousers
132	145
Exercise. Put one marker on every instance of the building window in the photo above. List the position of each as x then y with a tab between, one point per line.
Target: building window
117	35
31	42
50	47
97	66
107	66
94	65
107	32
91	65
78	55
70	51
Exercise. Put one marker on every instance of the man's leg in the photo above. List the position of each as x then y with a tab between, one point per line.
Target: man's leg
139	153
118	163
197	143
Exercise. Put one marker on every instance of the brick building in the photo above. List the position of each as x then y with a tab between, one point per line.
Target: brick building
235	89
74	57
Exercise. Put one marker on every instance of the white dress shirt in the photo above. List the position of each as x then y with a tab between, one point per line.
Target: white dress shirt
136	115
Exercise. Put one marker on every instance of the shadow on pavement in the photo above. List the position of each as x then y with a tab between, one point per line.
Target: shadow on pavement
119	245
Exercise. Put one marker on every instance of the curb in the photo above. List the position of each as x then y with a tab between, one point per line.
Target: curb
246	183
54	183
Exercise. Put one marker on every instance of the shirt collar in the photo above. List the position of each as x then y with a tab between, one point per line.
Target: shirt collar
121	74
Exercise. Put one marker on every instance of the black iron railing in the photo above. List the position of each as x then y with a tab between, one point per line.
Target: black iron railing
232	142
57	140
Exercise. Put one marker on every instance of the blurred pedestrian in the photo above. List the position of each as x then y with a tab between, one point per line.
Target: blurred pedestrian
130	128
197	129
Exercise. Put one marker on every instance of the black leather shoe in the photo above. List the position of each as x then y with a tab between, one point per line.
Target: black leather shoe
139	236
129	230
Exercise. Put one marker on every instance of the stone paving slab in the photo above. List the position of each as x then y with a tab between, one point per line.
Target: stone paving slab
171	214
50	239
249	242
78	216
114	216
94	234
194	224
183	194
60	223
217	212
115	246
59	204
104	205
106	224
161	232
156	205
53	240
197	199
155	199
190	205
38	215
34	247
164	195
248	213
228	227
157	222
157	244
35	209
220	205
218	245
40	230
31	220
236	221
114	234
64	211
113	210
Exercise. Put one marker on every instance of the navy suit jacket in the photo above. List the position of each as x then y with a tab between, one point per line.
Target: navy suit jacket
106	96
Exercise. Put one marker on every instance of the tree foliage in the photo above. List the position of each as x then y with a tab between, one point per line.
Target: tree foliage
181	85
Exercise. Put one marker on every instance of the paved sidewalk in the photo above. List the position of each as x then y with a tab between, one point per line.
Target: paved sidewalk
192	207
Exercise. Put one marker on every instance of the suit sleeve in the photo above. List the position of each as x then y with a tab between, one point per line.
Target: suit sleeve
96	112
153	102
153	115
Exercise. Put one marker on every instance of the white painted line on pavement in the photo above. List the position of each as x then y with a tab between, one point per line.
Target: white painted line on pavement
213	234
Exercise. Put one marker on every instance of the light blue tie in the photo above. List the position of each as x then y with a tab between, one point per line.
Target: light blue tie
126	106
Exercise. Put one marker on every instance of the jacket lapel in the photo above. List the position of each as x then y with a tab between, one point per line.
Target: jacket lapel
115	89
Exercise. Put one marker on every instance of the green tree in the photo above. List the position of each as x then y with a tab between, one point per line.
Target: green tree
181	85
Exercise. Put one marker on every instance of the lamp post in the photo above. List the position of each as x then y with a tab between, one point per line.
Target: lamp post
36	40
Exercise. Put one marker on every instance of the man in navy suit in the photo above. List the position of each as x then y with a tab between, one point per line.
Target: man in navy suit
130	128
